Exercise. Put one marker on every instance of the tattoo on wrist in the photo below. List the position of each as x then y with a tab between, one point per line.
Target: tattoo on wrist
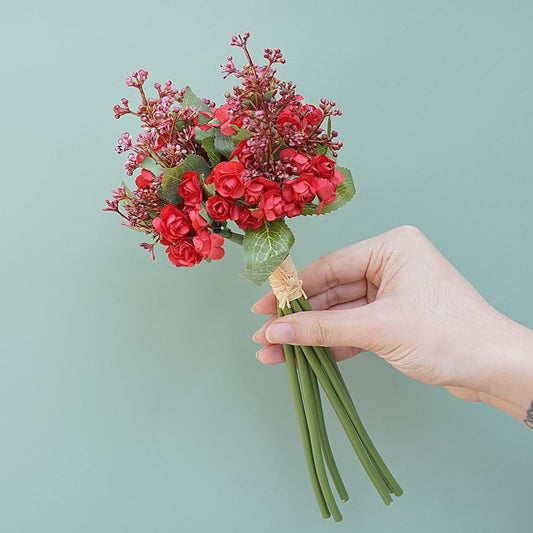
528	421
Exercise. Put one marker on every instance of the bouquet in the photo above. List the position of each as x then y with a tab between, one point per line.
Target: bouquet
208	174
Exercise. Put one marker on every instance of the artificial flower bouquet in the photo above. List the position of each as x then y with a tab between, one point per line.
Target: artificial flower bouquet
236	172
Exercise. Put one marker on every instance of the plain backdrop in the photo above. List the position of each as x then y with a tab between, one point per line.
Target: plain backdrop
130	397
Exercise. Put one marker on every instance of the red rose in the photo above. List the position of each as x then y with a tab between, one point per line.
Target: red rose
197	220
227	177
325	190
220	208
190	189
183	253
313	116
288	118
293	209
238	153
300	162
300	189
256	187
226	120
272	205
171	224
209	244
338	177
323	166
247	220
144	179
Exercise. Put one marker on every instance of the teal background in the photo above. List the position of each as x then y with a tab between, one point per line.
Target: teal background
130	397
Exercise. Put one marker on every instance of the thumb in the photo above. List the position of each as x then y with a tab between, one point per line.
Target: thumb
347	327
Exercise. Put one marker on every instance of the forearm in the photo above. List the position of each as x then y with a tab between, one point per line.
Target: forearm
507	382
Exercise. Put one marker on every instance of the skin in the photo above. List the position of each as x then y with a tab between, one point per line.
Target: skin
397	296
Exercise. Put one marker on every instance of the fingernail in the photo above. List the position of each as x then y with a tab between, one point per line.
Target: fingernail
254	309
280	333
258	355
254	337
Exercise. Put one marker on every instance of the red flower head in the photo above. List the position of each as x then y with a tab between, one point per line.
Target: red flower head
197	220
227	177
171	224
272	205
226	121
325	190
183	253
238	153
247	220
256	187
313	116
300	190
190	188
220	208
289	119
300	162
144	179
323	166
209	244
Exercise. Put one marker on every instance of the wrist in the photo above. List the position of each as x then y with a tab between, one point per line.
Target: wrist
505	377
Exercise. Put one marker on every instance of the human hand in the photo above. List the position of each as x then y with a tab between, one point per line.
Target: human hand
397	296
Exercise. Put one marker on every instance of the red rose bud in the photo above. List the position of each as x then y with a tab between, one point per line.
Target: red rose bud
272	205
256	187
227	177
209	244
183	253
247	220
144	179
323	166
190	188
220	208
300	190
171	224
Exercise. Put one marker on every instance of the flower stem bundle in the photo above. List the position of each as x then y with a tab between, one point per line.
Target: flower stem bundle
308	367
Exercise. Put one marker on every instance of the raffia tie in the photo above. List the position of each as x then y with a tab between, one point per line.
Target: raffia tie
285	283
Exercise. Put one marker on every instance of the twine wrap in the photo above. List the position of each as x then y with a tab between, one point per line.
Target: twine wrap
285	283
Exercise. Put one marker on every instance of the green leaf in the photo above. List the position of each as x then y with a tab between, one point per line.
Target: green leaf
265	248
152	166
200	135
209	146
242	135
345	192
321	149
224	144
191	100
171	176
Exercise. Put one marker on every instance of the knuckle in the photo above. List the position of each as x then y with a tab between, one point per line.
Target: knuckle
321	334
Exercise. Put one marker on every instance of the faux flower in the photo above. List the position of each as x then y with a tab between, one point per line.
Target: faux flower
171	224
190	188
183	253
227	177
209	244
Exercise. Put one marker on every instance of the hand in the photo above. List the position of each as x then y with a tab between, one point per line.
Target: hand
397	296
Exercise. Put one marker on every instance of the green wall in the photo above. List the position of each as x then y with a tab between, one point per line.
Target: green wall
130	397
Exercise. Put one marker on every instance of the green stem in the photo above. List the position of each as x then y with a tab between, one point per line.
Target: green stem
233	236
330	365
347	424
326	448
288	352
314	432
